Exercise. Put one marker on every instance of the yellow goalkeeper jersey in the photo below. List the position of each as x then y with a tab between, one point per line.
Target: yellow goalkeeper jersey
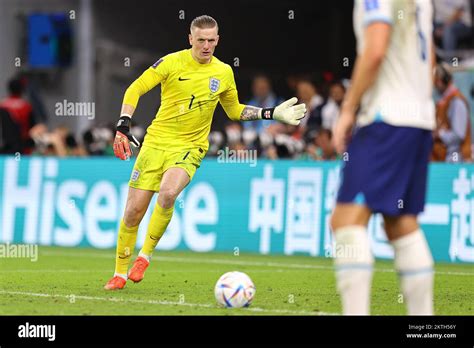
189	95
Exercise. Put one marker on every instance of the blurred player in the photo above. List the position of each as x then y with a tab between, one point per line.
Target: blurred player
387	158
192	81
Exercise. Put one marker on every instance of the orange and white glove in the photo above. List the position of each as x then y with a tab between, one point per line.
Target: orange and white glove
123	139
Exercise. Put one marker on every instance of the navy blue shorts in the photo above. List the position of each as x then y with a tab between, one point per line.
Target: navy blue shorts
387	169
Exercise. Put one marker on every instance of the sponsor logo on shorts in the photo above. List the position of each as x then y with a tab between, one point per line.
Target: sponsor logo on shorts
135	175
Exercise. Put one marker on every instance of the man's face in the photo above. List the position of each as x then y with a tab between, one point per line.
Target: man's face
337	93
203	42
324	142
261	87
439	85
305	91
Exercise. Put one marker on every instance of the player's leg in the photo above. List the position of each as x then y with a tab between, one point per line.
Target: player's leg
135	208
413	262
352	257
413	259
377	174
173	182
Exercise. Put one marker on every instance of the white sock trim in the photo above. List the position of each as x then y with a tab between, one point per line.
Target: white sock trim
145	256
124	276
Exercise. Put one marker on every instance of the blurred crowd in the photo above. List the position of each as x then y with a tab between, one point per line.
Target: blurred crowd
271	139
23	130
24	126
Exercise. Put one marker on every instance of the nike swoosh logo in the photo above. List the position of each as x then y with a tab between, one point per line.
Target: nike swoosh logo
180	163
125	257
181	79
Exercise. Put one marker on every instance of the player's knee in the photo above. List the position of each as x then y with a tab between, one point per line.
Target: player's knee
167	197
132	216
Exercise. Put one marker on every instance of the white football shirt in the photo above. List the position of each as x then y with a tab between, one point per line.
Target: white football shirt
402	92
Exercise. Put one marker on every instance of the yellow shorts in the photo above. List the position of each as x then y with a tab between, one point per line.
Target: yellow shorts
152	163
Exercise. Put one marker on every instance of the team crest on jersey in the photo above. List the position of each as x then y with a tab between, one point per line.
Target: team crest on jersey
135	175
214	84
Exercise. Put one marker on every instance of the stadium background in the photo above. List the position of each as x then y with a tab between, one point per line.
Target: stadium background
266	207
105	33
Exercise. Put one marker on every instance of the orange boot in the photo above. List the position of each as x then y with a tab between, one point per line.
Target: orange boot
137	272
116	283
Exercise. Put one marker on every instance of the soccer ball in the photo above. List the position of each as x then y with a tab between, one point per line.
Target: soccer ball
234	289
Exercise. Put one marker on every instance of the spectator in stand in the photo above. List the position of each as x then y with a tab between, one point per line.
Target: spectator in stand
331	109
233	133
99	140
319	147
453	22
10	138
263	97
307	93
21	112
326	149
452	136
59	142
71	146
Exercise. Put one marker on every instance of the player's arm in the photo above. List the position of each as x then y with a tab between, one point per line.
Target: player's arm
366	68
286	112
147	81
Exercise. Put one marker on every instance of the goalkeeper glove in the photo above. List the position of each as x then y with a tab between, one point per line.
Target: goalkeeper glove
286	112
123	138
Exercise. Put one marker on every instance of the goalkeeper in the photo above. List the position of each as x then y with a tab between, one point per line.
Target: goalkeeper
192	82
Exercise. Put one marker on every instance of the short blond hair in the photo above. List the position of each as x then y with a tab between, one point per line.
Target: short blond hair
203	22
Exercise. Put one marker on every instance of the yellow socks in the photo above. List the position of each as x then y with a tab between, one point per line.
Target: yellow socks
127	238
156	228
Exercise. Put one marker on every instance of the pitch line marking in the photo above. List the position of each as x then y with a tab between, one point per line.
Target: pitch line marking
236	262
49	270
162	302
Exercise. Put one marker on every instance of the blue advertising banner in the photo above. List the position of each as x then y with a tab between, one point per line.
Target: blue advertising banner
280	207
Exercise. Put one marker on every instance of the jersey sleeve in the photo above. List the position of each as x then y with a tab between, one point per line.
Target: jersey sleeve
229	99
154	75
376	11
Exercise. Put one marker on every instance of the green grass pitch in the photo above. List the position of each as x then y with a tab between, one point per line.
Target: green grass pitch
69	281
